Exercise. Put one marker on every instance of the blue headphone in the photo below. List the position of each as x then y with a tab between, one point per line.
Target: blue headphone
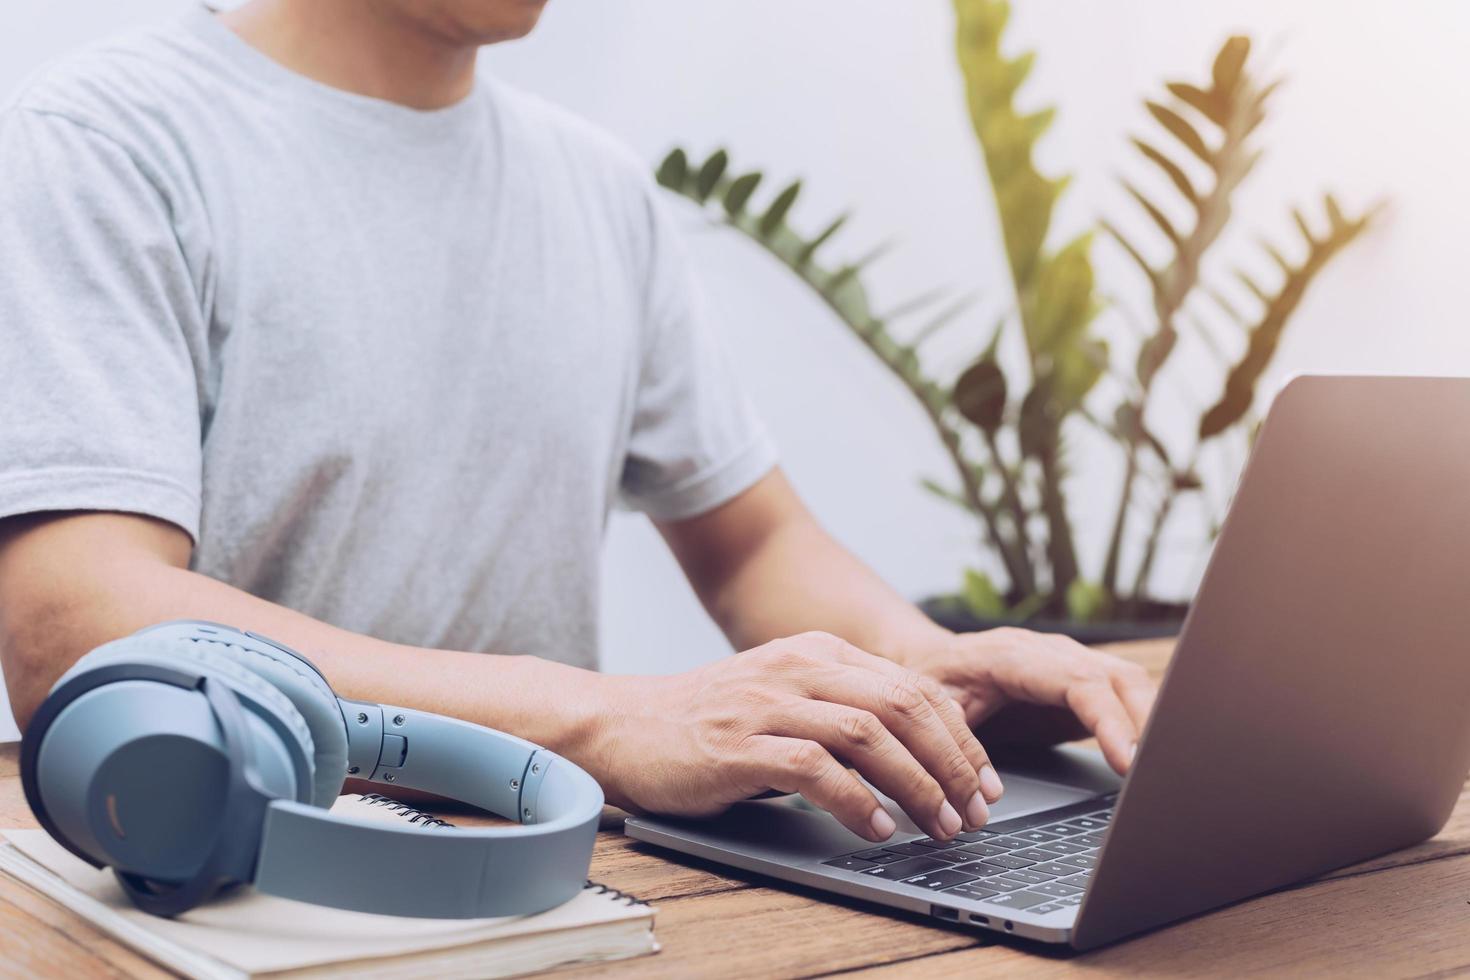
190	756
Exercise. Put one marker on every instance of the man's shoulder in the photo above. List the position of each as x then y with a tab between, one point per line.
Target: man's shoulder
113	84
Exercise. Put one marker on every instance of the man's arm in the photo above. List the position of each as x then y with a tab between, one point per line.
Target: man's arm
764	567
785	717
69	583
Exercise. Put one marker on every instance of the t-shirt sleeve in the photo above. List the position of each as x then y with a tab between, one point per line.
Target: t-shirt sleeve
696	441
101	330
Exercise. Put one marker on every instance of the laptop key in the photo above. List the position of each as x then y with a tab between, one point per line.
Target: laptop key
1089	823
850	864
983	850
975	836
1091	840
1019	900
910	849
1053	868
1056	889
877	855
1002	884
1034	854
1070	900
1064	829
906	868
1048	907
937	880
972	890
937	845
1013	842
1064	847
1027	876
1088	861
1037	836
1077	880
1007	862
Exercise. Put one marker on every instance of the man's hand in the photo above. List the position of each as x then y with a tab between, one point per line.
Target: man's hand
986	671
791	716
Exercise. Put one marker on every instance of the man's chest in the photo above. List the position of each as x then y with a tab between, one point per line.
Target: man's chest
470	323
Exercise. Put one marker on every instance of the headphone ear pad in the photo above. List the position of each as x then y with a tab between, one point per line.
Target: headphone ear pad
170	650
310	695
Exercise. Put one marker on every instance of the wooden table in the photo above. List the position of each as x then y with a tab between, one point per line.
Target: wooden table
1407	914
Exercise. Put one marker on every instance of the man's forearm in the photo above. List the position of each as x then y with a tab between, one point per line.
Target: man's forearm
76	596
799	578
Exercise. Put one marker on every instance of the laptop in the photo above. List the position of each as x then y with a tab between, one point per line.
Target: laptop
1316	711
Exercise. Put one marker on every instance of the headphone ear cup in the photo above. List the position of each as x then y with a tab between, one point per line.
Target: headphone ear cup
138	773
310	695
178	651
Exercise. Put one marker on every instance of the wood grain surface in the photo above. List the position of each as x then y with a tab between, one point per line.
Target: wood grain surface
1406	914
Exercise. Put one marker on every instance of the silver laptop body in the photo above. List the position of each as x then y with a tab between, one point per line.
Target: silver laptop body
1316	711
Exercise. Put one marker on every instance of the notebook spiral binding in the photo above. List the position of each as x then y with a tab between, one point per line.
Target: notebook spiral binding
404	810
616	894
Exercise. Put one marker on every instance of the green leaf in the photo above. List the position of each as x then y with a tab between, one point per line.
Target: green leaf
1076	370
980	395
981	597
776	213
738	194
1086	601
1181	130
1027	607
710	173
1064	303
673	170
804	256
1229	62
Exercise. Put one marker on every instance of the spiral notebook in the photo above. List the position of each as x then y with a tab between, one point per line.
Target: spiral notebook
247	934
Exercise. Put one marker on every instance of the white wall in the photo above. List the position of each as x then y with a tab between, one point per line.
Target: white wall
861	98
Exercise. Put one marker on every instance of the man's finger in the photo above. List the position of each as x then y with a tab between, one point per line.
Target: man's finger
949	715
1136	690
796	765
899	699
1096	704
860	738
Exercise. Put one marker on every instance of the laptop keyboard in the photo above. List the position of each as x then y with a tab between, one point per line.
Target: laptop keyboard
1039	862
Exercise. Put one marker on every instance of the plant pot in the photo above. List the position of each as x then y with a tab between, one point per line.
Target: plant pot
1155	619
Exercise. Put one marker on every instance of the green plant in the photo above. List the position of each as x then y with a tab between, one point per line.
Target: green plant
1007	429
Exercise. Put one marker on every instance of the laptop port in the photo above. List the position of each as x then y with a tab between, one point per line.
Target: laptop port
1010	925
981	920
940	911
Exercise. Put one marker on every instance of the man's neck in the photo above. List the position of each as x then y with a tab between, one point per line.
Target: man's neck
363	47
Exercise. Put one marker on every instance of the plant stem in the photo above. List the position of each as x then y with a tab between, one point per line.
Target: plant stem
1011	498
1059	547
1115	541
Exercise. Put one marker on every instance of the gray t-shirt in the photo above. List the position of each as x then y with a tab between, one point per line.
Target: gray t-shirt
387	367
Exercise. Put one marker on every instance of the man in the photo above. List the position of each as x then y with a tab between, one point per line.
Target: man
309	330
